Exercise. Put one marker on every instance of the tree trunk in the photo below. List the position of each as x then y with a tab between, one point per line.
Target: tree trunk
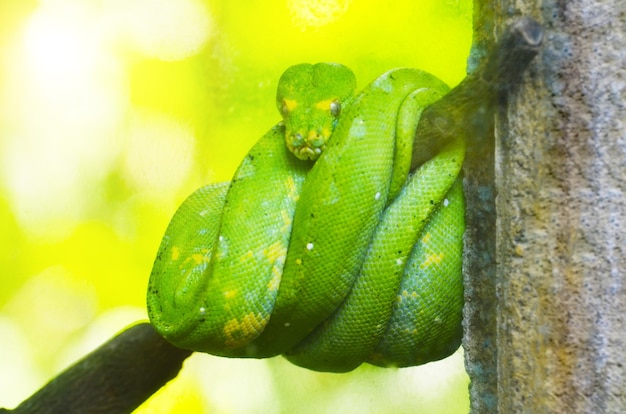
547	332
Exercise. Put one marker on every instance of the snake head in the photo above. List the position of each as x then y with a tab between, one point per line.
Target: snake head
310	99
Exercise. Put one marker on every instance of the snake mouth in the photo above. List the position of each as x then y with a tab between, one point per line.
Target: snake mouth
307	147
306	152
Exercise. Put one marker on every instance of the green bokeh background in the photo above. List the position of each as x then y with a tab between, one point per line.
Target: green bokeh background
112	111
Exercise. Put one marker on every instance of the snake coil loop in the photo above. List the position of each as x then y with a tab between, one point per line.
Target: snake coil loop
351	260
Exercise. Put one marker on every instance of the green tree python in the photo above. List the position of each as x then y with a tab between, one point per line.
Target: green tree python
124	371
324	247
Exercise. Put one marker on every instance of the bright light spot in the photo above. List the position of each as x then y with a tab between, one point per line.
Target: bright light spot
223	382
61	43
167	30
52	306
160	153
431	378
19	374
315	13
64	95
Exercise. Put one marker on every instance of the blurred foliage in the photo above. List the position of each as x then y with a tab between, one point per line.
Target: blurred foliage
112	111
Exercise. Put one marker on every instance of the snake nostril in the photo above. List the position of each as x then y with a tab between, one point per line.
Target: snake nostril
317	140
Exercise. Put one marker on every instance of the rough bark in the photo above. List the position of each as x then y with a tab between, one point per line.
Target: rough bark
560	164
500	66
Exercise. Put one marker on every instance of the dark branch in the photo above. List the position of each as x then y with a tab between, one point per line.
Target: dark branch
468	108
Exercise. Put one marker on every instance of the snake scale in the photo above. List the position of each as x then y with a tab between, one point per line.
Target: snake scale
323	247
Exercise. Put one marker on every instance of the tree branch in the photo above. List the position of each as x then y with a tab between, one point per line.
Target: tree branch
468	109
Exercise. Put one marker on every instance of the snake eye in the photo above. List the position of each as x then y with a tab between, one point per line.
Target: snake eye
335	108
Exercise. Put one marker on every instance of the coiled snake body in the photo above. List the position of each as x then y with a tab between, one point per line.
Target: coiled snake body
333	262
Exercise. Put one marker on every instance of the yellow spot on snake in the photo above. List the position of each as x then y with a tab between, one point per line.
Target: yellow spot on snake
277	251
276	254
324	105
287	220
290	104
198	258
292	188
229	294
432	259
426	238
175	253
274	282
238	333
248	256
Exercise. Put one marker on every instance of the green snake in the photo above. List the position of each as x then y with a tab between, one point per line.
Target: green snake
333	257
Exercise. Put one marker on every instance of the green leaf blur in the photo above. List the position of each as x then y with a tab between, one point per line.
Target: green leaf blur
111	112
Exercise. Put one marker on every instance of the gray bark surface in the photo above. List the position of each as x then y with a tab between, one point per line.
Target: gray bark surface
559	337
